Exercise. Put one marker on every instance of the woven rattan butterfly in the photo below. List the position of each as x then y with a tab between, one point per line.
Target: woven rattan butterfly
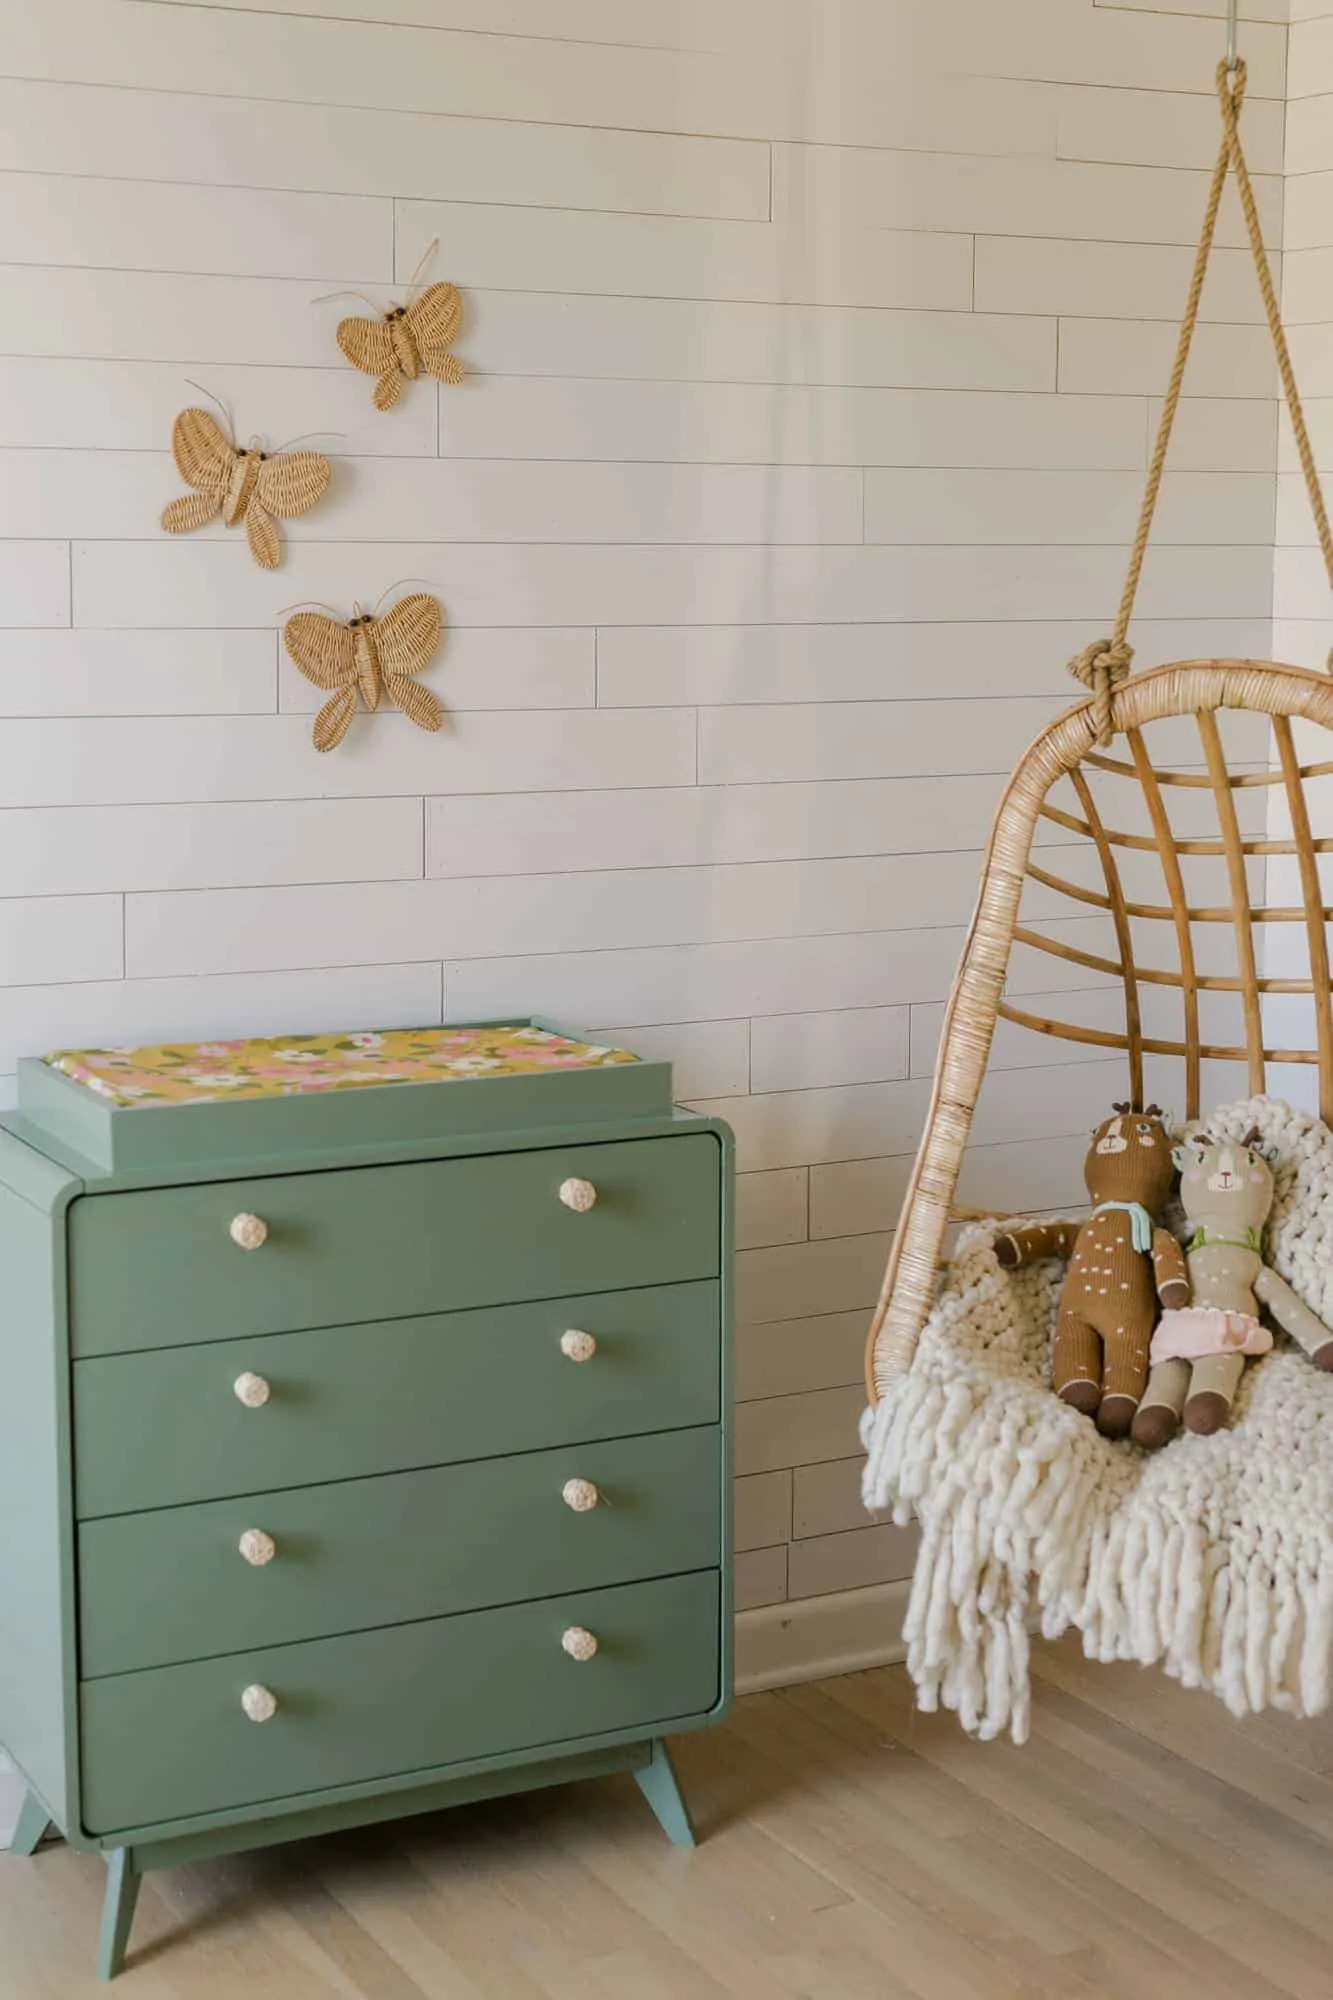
406	341
242	484
364	654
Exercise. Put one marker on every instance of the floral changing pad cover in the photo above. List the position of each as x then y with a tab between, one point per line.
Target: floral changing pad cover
285	1066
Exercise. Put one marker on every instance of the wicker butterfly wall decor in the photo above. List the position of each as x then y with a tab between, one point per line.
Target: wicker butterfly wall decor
405	341
242	484
364	655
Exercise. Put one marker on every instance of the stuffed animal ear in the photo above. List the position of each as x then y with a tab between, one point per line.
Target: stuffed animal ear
1121	1110
1252	1137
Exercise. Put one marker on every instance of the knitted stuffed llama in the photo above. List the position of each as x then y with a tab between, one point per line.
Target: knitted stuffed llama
1120	1266
1199	1350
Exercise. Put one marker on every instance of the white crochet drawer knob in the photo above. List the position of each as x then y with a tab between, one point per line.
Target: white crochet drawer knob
579	1642
580	1495
578	1195
576	1345
257	1547
252	1390
260	1703
248	1232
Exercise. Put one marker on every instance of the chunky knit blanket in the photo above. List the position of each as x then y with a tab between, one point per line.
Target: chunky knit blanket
1212	1558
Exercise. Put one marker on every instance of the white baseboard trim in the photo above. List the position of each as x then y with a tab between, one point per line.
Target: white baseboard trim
843	1633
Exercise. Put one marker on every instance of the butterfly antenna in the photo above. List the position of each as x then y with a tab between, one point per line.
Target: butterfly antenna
311	604
324	298
217	403
402	580
305	438
422	262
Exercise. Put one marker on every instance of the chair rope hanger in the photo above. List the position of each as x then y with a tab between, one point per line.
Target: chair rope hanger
1134	820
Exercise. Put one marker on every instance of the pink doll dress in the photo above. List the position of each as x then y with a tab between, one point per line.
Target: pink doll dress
1192	1333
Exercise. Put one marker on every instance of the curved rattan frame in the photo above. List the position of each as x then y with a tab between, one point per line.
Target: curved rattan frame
1194	687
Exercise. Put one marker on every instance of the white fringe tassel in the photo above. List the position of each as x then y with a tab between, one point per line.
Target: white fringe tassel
1213	1558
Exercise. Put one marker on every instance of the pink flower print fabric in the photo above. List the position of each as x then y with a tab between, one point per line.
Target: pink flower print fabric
289	1065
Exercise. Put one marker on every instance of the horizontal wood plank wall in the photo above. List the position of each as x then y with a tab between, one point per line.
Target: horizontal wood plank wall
1303	617
810	390
1302	613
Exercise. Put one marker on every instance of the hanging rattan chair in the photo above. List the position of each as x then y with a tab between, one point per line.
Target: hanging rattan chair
1178	885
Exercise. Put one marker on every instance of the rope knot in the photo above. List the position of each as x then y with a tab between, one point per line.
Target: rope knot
1231	80
1102	667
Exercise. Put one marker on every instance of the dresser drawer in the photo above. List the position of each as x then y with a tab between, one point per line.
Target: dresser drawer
159	1267
176	1585
175	1742
164	1428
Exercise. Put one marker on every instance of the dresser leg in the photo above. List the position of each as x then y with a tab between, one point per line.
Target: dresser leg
122	1893
661	1787
32	1826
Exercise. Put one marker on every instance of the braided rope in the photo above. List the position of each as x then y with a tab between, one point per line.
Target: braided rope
1230	109
1104	665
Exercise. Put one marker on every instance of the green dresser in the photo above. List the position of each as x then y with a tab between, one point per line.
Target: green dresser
364	1441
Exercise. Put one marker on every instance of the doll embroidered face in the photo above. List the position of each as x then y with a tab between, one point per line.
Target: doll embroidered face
1227	1181
1130	1158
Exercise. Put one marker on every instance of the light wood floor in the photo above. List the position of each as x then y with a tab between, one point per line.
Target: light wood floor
1142	1847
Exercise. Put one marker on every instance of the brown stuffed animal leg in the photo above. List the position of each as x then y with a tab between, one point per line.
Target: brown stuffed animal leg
1213	1387
1126	1379
1158	1416
1076	1365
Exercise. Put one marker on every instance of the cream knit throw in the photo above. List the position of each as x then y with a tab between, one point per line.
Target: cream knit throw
1213	1558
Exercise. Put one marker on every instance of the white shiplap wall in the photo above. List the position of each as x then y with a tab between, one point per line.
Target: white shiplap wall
1303	615
810	395
1302	622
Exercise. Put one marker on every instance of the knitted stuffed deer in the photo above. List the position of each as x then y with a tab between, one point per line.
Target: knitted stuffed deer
1199	1349
1121	1264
